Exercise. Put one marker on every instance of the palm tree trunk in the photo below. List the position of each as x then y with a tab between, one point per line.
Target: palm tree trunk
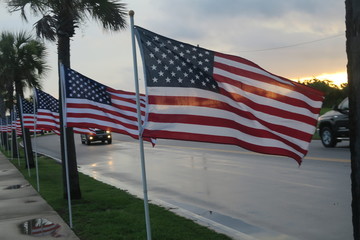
26	140
353	70
2	107
15	152
64	58
4	140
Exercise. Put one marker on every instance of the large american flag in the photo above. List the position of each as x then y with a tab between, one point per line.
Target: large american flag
94	105
199	95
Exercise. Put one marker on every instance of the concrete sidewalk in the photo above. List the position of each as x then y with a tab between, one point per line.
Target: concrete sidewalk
22	204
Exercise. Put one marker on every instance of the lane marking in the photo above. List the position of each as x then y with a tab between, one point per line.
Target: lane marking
340	160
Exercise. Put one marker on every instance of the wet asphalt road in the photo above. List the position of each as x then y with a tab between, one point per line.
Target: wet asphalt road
263	197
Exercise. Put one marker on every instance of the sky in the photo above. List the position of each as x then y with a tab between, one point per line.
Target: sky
296	39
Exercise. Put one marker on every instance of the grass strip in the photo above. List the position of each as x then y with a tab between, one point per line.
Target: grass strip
106	212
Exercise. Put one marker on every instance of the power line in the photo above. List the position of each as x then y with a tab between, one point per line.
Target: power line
294	45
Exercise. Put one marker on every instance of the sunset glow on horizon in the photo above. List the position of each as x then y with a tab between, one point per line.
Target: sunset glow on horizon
337	78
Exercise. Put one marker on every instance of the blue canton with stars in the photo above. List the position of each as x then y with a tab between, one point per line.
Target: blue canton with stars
170	63
28	107
79	86
46	101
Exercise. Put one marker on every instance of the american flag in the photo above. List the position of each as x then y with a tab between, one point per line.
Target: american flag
199	95
47	111
94	105
28	114
15	121
5	124
48	114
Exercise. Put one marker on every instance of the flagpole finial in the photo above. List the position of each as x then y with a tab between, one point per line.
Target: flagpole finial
131	13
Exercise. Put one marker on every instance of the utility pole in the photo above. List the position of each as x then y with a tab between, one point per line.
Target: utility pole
353	70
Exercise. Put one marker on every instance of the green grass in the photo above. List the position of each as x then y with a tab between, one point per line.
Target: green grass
105	212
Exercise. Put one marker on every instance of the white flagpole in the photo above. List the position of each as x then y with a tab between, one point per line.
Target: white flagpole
63	96
35	143
23	134
12	139
17	145
143	170
7	134
9	124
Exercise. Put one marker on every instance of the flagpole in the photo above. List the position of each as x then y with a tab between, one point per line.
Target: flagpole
16	139
35	143
62	90
23	134
17	149
7	134
141	143
12	137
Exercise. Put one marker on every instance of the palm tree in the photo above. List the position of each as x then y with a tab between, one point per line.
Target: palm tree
22	64
59	20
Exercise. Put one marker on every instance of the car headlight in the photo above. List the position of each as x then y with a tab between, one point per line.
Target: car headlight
108	136
91	137
108	131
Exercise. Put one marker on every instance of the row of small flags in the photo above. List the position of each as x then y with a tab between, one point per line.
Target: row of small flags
12	122
193	94
32	117
43	116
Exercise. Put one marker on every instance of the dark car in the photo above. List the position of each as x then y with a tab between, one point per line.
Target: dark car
96	135
333	126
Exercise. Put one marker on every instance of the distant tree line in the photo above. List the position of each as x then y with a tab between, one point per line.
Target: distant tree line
334	94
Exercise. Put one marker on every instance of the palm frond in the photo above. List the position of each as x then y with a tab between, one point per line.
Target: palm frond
35	6
46	28
22	62
110	13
